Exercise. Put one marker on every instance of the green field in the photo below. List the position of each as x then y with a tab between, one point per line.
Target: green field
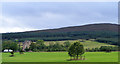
59	57
86	43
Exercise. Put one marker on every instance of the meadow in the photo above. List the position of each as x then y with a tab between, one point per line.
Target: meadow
59	57
87	43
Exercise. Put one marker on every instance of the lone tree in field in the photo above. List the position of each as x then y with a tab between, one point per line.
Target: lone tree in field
76	50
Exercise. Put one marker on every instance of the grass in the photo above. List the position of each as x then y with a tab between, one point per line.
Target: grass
86	43
0	58
59	57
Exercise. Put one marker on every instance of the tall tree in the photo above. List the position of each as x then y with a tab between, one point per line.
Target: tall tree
76	50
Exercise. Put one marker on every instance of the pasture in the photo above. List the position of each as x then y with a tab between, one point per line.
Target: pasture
87	43
59	57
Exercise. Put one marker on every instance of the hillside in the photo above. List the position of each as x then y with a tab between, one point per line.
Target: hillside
105	32
89	27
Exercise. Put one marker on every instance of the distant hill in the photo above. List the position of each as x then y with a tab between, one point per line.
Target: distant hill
103	31
89	27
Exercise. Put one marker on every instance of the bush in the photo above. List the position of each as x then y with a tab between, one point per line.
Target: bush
27	49
21	51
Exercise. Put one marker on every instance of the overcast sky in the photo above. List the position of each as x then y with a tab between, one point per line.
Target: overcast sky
18	17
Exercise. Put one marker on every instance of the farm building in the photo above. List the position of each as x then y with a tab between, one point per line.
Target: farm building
25	44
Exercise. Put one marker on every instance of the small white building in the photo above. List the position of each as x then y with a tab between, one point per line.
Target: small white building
8	50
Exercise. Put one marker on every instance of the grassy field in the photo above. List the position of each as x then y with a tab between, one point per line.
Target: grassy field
86	43
59	57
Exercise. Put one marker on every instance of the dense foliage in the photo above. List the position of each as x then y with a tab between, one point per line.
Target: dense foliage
51	47
76	50
10	45
113	41
103	48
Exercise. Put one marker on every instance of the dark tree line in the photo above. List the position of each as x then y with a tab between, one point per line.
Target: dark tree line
113	41
103	48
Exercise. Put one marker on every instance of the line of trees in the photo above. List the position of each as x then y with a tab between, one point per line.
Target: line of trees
40	46
36	46
112	41
103	48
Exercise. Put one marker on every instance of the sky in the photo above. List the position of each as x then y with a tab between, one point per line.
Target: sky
27	16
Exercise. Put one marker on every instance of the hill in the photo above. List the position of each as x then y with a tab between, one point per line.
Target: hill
104	32
89	27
